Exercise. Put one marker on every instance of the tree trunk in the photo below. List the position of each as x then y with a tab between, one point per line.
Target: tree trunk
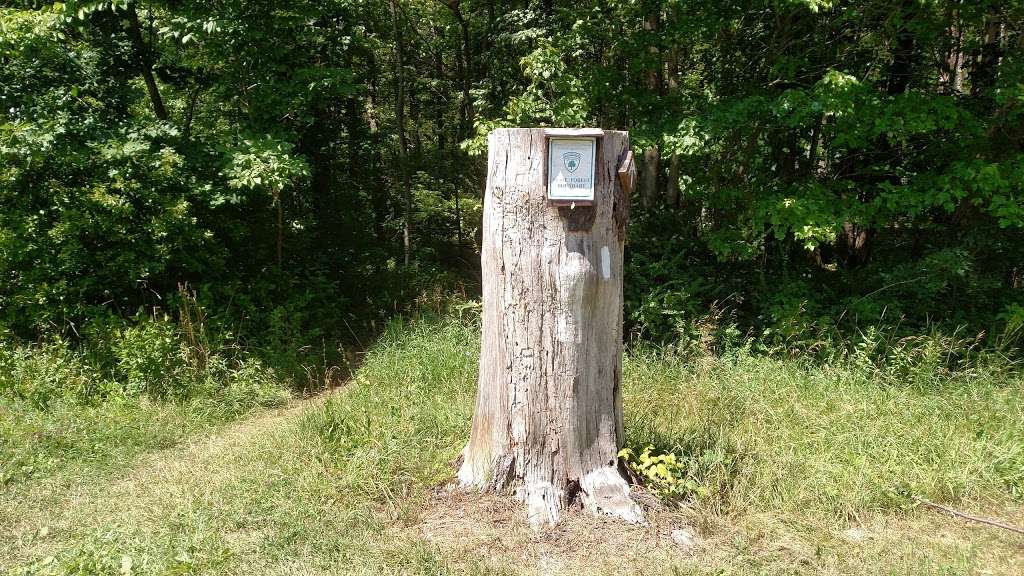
414	124
951	68
672	79
190	112
403	145
672	194
548	421
465	70
374	165
649	182
280	231
145	66
983	77
441	94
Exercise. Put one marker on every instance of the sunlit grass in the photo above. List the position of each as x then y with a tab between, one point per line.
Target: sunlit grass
811	470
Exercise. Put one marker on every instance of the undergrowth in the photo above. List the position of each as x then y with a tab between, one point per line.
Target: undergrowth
133	386
773	445
738	432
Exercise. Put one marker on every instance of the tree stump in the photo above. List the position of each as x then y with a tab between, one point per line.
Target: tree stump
548	420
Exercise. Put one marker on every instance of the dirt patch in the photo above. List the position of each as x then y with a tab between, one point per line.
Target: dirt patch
494	531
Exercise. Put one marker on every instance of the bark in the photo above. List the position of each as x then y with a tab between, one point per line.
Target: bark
903	53
672	194
548	420
467	57
464	65
854	245
440	129
190	112
951	69
672	78
145	65
280	230
984	74
374	164
649	180
655	83
403	145
812	153
414	123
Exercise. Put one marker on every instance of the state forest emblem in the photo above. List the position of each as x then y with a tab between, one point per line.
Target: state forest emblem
571	161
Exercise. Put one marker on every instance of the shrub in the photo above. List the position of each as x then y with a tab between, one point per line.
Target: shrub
151	360
698	459
43	373
664	474
152	357
251	384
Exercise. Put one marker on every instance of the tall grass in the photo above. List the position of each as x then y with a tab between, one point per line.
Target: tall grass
141	386
760	433
832	439
404	416
791	453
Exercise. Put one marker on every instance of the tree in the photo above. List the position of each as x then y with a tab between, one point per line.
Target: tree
548	421
403	146
815	151
267	164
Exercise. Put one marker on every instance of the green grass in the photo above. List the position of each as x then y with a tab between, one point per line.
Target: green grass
810	470
832	440
35	444
58	412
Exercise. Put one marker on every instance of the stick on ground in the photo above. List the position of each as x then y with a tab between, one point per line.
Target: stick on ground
978	519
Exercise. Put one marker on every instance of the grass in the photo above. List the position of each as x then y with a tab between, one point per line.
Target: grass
60	412
833	440
809	470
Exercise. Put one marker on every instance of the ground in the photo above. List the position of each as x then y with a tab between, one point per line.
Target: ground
356	482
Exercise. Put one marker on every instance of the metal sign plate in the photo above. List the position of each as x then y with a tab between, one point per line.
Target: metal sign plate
571	164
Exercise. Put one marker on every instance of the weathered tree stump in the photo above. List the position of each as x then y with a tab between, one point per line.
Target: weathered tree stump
548	420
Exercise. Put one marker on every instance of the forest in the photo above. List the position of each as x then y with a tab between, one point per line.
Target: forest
211	208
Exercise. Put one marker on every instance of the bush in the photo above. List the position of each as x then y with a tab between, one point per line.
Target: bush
667	475
250	384
43	373
151	360
152	357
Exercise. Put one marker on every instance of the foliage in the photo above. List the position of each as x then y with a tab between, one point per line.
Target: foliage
264	163
64	402
821	167
662	474
40	375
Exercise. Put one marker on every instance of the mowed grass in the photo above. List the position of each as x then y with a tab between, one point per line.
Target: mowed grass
808	469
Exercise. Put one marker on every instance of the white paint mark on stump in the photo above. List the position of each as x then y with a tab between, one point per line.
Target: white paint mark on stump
606	263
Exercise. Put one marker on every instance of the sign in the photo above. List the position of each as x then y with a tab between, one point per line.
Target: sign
571	169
